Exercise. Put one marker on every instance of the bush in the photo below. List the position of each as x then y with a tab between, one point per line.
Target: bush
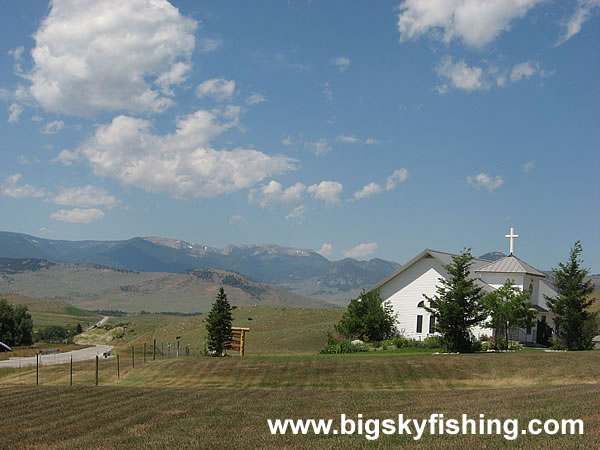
368	318
345	346
477	346
400	341
432	342
494	343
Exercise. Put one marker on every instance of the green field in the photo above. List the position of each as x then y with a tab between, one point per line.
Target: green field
52	312
225	402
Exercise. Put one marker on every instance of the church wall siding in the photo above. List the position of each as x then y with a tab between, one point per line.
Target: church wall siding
406	290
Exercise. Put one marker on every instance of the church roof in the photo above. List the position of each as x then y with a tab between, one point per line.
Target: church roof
510	264
442	257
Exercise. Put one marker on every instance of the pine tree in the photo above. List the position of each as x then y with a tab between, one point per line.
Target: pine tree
575	325
458	305
218	325
509	307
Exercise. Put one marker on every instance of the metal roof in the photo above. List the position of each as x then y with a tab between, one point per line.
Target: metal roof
510	264
443	258
4	347
541	309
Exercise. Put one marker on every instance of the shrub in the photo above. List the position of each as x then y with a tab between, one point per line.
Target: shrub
400	341
432	342
345	346
368	318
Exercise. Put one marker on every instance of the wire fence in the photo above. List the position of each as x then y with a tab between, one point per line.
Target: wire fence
105	368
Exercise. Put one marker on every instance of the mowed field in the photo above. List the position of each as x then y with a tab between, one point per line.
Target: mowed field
226	402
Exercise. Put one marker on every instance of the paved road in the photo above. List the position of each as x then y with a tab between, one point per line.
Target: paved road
99	324
57	358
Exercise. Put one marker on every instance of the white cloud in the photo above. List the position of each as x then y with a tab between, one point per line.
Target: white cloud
66	157
347	139
77	215
287	140
399	176
208	45
91	57
254	98
522	70
371	141
326	250
85	196
10	188
483	180
53	127
528	166
272	194
327	92
17	55
319	148
460	76
182	163
22	159
296	214
368	191
15	111
176	75
341	62
476	22
582	14
236	219
218	88
361	250
327	191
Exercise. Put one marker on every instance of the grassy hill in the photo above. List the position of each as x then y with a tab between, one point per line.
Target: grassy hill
274	330
52	312
94	287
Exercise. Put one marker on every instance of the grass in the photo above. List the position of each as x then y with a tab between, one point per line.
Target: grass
52	312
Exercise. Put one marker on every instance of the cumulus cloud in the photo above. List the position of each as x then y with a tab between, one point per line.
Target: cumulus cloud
327	191
326	250
66	157
475	22
77	215
319	148
347	139
236	219
15	110
255	98
53	127
368	191
483	180
218	88
399	176
11	188
583	12
91	57
181	163
528	166
85	196
341	62
460	75
296	214
361	250
273	193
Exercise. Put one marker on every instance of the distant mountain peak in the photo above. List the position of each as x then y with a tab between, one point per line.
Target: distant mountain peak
492	256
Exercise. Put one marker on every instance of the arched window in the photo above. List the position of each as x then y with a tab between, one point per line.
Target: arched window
421	304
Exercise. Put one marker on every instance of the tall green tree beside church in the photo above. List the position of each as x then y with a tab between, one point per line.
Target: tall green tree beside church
458	305
218	325
575	325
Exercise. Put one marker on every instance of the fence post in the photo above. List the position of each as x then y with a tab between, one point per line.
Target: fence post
178	349
133	357
96	370
37	369
154	350
118	368
144	353
162	350
71	372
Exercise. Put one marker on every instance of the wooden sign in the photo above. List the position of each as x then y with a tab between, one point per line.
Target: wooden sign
238	340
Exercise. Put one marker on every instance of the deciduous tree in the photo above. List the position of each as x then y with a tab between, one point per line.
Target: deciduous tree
368	318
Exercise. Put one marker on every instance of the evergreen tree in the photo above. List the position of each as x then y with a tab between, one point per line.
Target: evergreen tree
368	318
575	325
458	305
218	325
509	307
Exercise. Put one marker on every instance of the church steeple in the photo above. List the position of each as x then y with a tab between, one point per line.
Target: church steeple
511	236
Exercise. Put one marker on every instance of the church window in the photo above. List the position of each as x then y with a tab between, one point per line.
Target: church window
431	324
419	323
421	304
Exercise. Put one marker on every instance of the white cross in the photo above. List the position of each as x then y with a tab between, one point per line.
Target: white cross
511	236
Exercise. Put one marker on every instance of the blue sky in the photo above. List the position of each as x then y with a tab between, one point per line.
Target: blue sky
364	129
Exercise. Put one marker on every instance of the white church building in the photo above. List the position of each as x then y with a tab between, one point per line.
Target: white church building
404	290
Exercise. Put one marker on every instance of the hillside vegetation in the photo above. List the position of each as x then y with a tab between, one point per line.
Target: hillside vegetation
52	312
